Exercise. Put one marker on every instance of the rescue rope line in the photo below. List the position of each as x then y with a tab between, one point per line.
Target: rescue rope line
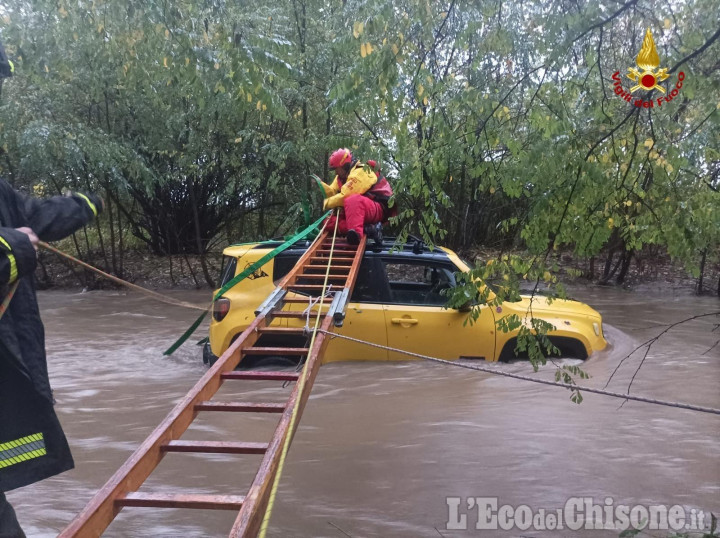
308	310
603	392
145	291
8	298
301	388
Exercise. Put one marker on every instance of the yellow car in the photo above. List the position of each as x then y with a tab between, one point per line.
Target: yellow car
397	302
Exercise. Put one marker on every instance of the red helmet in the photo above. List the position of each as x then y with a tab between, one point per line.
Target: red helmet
340	157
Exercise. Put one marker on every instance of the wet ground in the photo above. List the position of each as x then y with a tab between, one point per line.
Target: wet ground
382	446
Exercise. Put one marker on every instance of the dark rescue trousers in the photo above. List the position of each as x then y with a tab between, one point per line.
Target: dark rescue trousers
9	526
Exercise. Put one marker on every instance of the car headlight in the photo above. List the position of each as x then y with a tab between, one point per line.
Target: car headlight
596	328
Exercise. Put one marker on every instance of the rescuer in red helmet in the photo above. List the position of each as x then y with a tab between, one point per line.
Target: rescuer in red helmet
361	192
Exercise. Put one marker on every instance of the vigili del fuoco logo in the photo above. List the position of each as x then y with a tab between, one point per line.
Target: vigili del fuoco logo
647	76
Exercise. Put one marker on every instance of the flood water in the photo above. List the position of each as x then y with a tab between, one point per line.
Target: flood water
381	446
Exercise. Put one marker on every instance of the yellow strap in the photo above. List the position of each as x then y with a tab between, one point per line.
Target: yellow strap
12	66
92	206
13	263
300	389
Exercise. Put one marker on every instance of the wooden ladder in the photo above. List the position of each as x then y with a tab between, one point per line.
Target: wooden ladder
306	277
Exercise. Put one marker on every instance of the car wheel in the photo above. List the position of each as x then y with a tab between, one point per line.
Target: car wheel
569	348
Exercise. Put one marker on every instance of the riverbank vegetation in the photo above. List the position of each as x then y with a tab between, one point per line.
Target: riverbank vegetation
499	125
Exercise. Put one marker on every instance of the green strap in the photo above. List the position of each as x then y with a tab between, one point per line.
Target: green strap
247	272
180	341
306	208
319	182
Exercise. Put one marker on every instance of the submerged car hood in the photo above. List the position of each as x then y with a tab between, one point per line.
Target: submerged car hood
545	305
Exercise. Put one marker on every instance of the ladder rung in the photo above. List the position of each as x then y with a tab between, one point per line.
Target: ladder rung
215	447
240	407
339	248
333	269
261	376
169	500
306	286
303	300
324	261
322	277
286	330
296	313
344	255
275	351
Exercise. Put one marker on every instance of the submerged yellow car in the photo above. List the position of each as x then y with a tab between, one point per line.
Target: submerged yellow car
397	302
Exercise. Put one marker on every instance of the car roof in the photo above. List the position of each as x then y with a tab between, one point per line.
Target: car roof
413	248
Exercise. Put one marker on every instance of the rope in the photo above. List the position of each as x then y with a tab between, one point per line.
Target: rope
144	291
308	310
8	298
679	405
301	387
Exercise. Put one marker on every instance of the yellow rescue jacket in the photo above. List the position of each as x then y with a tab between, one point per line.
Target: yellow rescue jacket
359	181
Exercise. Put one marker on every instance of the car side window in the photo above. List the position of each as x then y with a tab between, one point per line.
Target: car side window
228	269
417	283
370	283
369	286
282	265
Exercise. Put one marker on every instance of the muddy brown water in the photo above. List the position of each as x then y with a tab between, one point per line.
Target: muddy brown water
382	445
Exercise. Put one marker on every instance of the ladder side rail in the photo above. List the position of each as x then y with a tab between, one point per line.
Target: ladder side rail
103	507
276	297
355	268
290	279
344	297
101	510
251	514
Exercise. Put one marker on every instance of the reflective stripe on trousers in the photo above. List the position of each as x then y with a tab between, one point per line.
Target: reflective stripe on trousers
23	449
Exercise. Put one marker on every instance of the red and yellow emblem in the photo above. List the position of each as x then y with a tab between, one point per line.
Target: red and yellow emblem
647	60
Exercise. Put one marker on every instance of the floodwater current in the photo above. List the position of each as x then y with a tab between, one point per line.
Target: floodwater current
382	446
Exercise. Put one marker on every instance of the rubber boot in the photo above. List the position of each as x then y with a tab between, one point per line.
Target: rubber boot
374	232
352	237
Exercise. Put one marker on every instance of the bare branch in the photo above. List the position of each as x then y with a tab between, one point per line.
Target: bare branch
603	22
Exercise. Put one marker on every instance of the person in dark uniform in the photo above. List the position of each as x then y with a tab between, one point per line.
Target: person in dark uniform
32	444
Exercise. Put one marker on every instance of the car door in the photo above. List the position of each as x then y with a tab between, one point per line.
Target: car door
364	317
417	320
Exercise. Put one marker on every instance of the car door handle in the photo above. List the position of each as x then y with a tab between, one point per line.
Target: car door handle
404	321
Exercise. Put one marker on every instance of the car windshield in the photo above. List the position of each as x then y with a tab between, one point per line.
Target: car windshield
491	284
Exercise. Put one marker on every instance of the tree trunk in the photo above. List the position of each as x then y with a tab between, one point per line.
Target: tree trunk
172	277
198	237
699	287
626	259
113	254
608	265
120	244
